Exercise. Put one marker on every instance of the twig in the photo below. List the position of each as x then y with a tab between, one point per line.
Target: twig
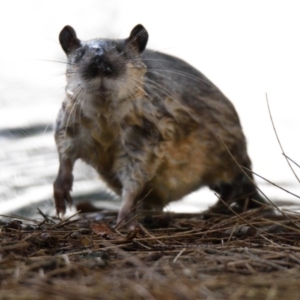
271	182
291	160
128	222
64	222
231	232
137	204
19	218
151	235
178	255
46	218
245	173
278	140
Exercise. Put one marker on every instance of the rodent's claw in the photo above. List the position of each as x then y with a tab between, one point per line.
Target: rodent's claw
126	218
59	199
62	187
62	197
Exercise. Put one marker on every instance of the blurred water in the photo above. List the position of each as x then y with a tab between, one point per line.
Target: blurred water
246	49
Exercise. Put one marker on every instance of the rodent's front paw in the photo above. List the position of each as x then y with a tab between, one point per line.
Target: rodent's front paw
61	197
61	192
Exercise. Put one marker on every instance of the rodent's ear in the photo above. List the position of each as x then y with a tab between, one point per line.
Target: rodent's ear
138	37
68	39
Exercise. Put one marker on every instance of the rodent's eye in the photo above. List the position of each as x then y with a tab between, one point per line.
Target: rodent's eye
79	54
119	48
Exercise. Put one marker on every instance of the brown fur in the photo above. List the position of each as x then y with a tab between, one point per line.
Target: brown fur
148	123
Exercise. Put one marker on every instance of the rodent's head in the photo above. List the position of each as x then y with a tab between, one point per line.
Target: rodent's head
105	68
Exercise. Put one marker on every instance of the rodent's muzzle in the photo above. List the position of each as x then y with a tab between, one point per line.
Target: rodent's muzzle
103	65
99	66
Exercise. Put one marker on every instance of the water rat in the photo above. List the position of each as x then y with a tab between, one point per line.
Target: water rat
149	123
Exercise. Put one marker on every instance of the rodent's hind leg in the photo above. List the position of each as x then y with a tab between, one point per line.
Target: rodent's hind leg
225	192
240	195
128	210
63	185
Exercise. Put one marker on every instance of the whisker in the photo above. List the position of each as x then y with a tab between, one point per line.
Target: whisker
46	60
190	76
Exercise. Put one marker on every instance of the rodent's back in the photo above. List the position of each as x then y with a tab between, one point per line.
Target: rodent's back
182	89
180	78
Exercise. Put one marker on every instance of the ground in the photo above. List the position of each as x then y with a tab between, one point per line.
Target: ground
168	256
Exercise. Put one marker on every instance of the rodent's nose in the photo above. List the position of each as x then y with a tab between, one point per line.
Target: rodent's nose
103	64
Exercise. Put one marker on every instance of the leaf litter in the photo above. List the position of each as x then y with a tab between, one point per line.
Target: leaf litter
167	256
